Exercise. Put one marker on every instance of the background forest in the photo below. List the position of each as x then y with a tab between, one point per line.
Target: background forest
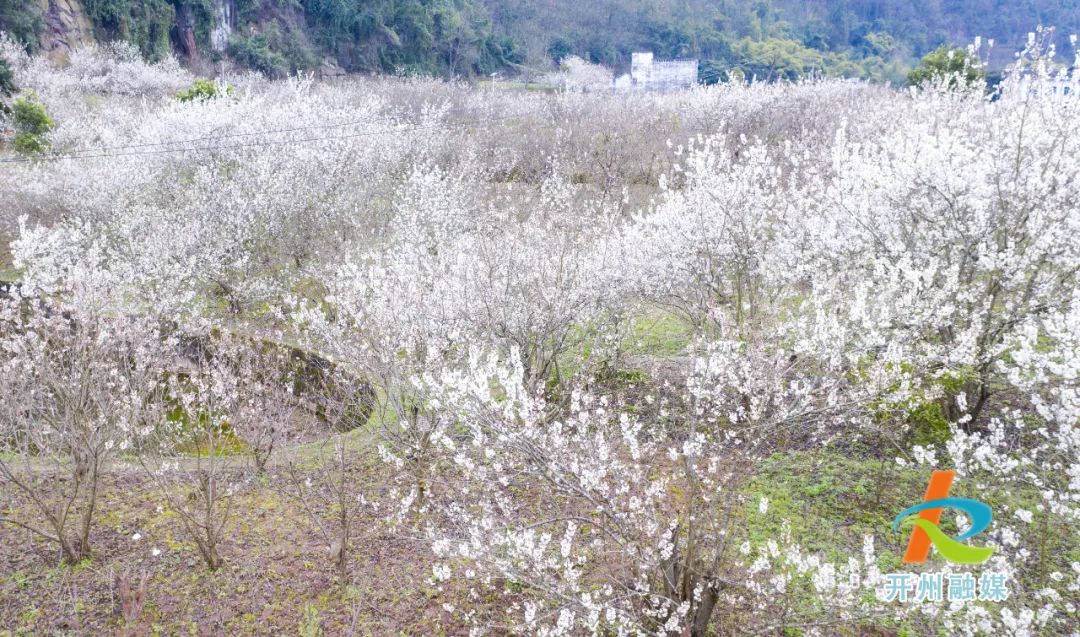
769	39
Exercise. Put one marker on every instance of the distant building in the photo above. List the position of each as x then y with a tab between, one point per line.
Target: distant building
670	75
1053	85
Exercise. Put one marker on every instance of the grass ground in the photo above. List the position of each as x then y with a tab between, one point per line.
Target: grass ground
659	333
278	578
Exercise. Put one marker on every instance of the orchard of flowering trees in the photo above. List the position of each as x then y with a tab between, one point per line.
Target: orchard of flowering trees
392	356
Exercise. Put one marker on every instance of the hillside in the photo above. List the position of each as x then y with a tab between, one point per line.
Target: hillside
878	39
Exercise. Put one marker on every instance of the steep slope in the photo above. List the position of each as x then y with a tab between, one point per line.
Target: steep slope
768	39
65	26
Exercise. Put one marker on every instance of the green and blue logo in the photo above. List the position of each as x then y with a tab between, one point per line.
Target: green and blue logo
927	532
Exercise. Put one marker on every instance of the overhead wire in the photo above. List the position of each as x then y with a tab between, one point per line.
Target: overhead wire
355	122
140	149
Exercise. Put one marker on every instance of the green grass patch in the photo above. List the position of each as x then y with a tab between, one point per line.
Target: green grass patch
658	332
829	502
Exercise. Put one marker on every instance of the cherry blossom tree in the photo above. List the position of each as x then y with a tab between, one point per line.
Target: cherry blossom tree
80	384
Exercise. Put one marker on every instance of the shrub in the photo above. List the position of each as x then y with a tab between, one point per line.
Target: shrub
21	19
945	64
204	90
7	85
146	24
32	123
255	51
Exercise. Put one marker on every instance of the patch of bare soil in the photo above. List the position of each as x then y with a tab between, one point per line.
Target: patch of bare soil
277	578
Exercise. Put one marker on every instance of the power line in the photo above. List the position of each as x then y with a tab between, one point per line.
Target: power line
94	153
165	151
192	140
355	122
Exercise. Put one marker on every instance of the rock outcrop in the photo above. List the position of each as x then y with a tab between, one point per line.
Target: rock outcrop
66	28
184	29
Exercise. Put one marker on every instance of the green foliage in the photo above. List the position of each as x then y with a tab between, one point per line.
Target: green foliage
670	40
928	423
560	48
311	625
879	44
21	19
7	86
32	123
769	39
877	39
29	144
448	37
151	22
814	494
952	66
775	59
278	49
255	51
785	59
498	54
201	16
658	332
829	501
111	16
204	90
712	71
920	26
195	429
145	23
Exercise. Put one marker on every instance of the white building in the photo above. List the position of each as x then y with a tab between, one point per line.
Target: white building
670	75
1052	85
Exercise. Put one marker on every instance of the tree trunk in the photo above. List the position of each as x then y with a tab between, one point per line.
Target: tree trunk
703	616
